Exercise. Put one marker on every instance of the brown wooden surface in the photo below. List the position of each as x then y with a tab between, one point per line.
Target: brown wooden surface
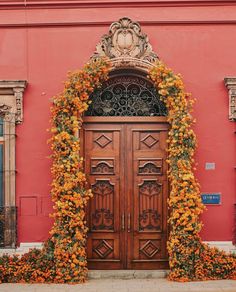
127	217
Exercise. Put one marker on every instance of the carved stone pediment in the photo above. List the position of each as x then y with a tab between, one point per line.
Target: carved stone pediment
125	40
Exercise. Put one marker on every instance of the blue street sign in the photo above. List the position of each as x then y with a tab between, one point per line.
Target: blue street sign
211	198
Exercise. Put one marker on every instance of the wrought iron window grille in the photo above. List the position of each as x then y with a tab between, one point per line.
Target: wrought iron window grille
126	94
8	227
7	213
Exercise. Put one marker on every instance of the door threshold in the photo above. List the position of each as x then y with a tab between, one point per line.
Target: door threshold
127	274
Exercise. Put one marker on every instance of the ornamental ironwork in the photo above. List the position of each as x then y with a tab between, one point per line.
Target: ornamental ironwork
126	96
8	227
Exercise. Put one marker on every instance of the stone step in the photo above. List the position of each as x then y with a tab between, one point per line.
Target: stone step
128	274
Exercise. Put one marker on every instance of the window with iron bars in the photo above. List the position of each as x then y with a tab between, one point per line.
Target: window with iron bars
7	212
11	114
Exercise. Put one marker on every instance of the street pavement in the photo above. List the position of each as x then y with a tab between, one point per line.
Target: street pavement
130	285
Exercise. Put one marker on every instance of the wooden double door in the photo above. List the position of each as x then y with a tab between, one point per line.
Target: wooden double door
125	159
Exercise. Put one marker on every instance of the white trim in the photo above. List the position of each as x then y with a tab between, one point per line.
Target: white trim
23	248
26	246
222	245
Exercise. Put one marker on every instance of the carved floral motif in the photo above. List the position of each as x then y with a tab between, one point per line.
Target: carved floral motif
102	167
149	217
5	112
150	168
102	209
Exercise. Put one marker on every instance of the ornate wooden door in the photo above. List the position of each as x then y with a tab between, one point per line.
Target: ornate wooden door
127	216
146	193
103	144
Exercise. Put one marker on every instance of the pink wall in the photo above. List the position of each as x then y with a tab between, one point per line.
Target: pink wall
195	40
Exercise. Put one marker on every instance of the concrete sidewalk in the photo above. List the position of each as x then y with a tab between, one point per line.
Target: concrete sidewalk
131	285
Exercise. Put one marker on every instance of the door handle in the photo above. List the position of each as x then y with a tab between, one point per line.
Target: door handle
123	222
129	222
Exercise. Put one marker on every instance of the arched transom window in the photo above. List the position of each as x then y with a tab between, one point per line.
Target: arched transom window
126	94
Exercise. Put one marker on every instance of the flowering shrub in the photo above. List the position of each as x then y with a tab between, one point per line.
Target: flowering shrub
34	266
189	258
63	257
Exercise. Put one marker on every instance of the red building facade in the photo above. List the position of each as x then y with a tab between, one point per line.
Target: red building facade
41	41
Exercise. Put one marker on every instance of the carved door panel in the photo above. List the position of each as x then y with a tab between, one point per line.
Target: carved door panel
127	216
103	164
147	196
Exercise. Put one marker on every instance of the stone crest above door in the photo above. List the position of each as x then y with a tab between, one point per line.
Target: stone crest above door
125	42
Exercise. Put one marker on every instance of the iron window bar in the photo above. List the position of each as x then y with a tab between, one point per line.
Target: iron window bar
8	234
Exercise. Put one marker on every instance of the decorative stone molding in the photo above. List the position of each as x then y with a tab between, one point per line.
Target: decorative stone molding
19	104
128	62
15	88
126	45
230	83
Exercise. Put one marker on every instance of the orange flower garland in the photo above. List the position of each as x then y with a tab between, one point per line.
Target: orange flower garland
189	258
69	191
63	257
